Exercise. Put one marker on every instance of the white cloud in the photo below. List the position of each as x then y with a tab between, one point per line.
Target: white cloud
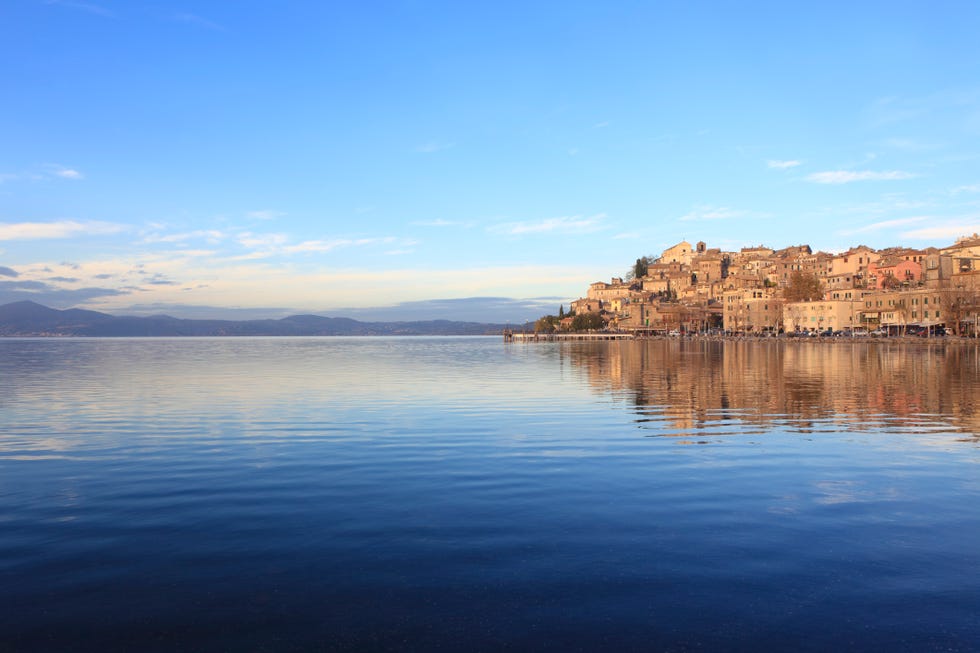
42	172
970	188
324	245
565	224
268	245
944	231
266	214
254	241
848	176
600	125
68	173
782	165
59	229
211	235
908	144
700	213
884	224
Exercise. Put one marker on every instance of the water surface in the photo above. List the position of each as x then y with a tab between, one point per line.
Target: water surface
463	494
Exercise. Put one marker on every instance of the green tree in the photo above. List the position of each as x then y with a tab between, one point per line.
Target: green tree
546	324
588	322
561	311
803	287
640	268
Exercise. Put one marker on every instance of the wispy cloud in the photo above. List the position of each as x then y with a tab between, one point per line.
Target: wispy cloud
600	125
970	188
883	224
947	231
210	235
59	229
261	241
269	245
266	214
705	212
67	173
575	224
8	272
199	21
328	245
41	173
83	6
434	146
848	176
909	145
782	165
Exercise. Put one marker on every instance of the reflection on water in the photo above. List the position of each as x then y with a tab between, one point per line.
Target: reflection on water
690	387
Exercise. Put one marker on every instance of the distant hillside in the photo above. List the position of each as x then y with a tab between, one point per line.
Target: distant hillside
27	318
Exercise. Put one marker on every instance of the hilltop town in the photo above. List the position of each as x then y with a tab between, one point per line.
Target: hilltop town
760	290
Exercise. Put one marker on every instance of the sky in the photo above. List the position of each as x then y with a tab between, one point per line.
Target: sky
462	160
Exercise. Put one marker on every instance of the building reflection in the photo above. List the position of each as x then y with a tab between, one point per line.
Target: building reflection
687	385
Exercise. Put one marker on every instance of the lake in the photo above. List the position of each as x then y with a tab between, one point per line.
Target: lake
298	494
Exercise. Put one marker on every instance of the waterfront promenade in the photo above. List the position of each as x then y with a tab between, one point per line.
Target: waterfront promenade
528	337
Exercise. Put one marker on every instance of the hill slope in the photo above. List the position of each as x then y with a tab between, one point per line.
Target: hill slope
26	318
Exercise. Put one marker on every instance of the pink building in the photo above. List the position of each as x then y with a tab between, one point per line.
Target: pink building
904	271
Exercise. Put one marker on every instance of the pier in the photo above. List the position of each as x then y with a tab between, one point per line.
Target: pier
511	336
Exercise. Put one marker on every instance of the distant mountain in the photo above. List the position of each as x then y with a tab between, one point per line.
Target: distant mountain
26	318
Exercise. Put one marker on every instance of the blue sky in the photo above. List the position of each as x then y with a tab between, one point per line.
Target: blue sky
268	158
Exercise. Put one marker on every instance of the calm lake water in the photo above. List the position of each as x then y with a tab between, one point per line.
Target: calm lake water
466	494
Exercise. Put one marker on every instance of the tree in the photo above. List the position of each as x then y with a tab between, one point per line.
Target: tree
957	304
588	322
561	311
803	287
546	324
640	268
890	282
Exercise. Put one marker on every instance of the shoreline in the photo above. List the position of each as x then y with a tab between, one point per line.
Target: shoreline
607	336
